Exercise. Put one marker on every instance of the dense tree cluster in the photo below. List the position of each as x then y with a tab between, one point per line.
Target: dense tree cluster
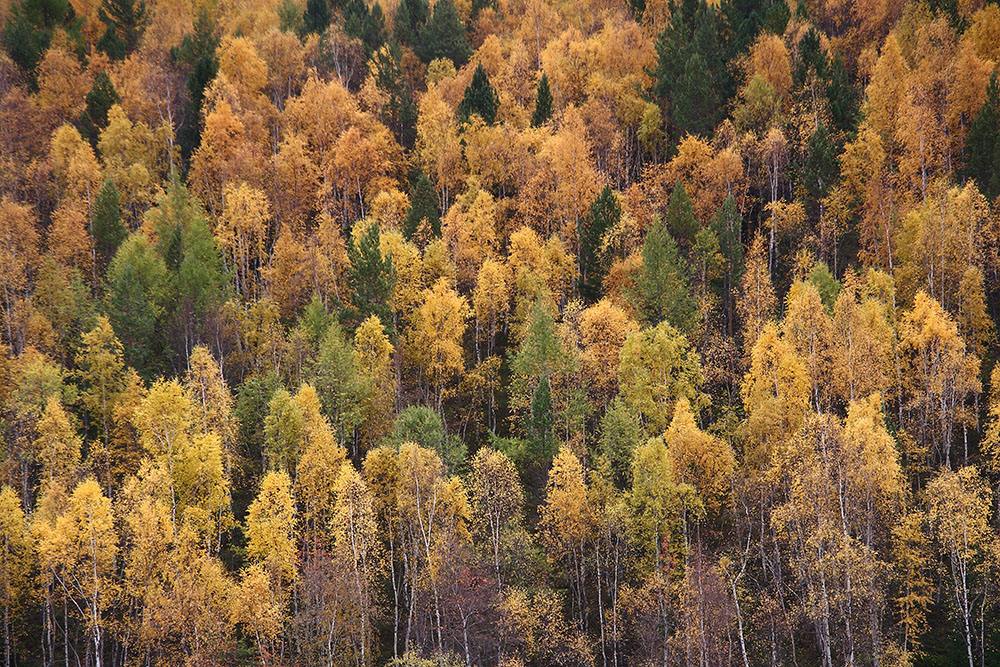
499	332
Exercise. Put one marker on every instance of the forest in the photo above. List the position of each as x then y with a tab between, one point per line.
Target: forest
513	333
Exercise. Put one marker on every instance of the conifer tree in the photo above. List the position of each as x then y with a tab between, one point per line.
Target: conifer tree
423	207
316	18
662	284
125	20
680	217
982	145
479	99
411	16
108	230
605	213
100	99
370	279
443	36
543	103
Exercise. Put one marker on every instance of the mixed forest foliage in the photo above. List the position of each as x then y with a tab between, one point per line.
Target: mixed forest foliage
499	332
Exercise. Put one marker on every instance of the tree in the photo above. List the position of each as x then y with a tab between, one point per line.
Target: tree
479	98
18	253
423	208
15	561
662	292
658	367
604	328
197	51
435	343
680	221
690	74
136	290
657	501
497	502
775	393
270	528
100	99
423	426
78	552
373	358
756	299
102	370
316	18
107	227
981	146
699	459
283	431
355	536
605	214
370	279
543	103
958	509
565	523
125	20
411	15
443	36
940	376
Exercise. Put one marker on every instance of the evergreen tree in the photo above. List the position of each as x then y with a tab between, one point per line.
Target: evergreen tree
365	24
125	20
370	279
727	224
197	51
100	99
411	16
982	145
443	36
681	222
843	97
690	78
662	291
108	230
541	440
316	18
543	103
819	171
399	113
137	288
28	29
604	214
195	269
423	206
479	99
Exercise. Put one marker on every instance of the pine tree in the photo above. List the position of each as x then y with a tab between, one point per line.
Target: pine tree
662	291
316	18
100	99
370	279
197	51
605	213
690	77
820	168
423	206
125	20
540	429
479	99
399	113
444	36
982	145
28	29
108	230
137	284
411	16
681	222
543	103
